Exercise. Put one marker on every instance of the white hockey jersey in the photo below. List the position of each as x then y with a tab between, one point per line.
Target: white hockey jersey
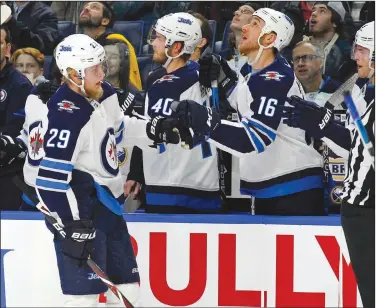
275	159
178	177
32	135
80	165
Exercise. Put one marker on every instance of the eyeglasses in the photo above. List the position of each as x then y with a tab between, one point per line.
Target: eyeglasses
304	58
243	11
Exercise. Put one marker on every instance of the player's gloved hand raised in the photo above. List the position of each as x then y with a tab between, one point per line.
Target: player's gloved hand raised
163	130
195	117
46	89
10	148
307	116
214	67
78	242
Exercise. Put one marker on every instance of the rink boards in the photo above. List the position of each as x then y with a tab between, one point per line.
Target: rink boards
198	261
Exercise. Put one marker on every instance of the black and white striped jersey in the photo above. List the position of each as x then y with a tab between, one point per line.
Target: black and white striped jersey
359	183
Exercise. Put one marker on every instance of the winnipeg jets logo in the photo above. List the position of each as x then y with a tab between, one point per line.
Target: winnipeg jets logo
112	151
109	152
3	95
67	106
168	78
36	143
272	76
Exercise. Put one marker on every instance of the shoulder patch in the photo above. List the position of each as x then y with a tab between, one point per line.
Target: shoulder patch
67	106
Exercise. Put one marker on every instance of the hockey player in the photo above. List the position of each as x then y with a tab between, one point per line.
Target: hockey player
178	181
79	179
278	166
358	196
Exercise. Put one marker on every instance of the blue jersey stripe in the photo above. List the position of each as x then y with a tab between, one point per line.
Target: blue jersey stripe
51	184
56	165
259	146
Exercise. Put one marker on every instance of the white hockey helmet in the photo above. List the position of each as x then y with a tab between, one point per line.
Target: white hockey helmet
178	27
276	22
78	51
365	37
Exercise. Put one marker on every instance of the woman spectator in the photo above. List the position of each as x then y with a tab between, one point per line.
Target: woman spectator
29	61
118	64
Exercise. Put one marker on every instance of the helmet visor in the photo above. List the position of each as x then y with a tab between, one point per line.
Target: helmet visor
99	70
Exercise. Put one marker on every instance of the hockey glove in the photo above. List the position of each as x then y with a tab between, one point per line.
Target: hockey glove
163	130
128	100
46	89
307	116
198	119
78	242
10	148
214	67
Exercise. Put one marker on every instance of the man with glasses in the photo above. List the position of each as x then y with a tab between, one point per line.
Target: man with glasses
308	62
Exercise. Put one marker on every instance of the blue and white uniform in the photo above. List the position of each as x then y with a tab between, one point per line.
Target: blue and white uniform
275	160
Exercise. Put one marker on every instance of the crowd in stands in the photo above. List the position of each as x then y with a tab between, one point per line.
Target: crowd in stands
320	53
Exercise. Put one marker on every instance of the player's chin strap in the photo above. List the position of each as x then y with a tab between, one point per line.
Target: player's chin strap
169	58
260	50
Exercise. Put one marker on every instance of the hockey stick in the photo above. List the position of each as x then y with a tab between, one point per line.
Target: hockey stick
337	97
30	193
359	125
215	95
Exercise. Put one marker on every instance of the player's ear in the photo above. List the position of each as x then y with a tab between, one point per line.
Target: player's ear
269	39
176	48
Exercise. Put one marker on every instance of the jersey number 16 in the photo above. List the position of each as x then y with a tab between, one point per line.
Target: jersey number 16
267	106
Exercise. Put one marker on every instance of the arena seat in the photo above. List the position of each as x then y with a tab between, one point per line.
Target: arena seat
66	28
133	31
145	64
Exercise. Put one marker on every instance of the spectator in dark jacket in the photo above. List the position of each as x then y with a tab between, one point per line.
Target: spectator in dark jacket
327	27
33	24
14	89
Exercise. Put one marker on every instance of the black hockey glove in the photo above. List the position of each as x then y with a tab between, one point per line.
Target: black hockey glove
46	89
196	122
214	67
307	116
10	148
128	100
78	242
163	130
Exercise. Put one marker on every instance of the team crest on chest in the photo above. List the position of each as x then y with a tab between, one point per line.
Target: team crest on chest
272	76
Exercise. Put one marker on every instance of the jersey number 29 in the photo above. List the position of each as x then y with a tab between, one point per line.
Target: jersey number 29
63	138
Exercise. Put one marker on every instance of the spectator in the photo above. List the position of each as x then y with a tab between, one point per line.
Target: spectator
326	25
29	61
33	24
242	16
96	21
308	62
14	89
118	63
